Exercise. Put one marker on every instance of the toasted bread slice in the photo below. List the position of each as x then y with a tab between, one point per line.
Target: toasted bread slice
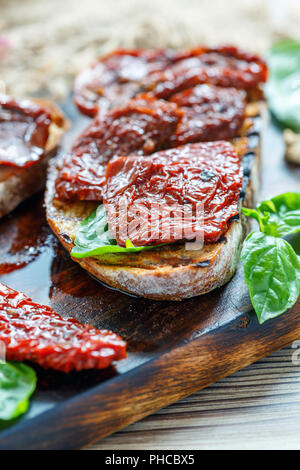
17	184
169	272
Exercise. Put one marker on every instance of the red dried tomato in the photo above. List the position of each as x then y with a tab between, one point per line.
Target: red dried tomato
115	78
34	332
24	131
142	126
225	66
210	113
123	74
140	188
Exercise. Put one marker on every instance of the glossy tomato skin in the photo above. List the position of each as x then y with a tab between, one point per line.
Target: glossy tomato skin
124	73
116	78
142	126
33	332
207	88
209	113
24	131
225	66
208	174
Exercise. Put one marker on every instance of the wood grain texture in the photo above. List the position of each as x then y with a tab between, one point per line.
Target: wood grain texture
255	408
161	381
175	348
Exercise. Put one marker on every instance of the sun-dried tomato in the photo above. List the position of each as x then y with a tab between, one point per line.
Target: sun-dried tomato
24	131
123	74
225	66
139	189
209	113
142	126
33	332
115	78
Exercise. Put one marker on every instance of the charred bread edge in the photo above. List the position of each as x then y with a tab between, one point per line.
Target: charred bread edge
167	282
21	183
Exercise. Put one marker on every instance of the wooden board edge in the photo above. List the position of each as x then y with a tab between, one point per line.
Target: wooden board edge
170	377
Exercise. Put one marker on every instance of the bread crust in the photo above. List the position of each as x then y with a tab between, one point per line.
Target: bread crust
17	184
171	272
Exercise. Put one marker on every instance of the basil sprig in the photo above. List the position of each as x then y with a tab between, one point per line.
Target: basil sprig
17	383
283	86
280	216
94	238
271	266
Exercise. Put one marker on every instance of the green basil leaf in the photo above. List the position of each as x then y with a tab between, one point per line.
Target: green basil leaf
94	238
283	86
280	216
257	215
272	274
17	383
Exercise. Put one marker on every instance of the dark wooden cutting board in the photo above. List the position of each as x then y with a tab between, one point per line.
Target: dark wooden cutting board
175	348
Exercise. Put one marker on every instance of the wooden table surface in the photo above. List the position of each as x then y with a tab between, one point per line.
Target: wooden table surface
256	408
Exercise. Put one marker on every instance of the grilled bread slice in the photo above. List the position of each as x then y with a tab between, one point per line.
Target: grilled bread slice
169	272
17	184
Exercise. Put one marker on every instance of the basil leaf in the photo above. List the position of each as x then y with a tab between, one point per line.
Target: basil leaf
272	274
94	238
280	216
257	215
283	86
17	383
